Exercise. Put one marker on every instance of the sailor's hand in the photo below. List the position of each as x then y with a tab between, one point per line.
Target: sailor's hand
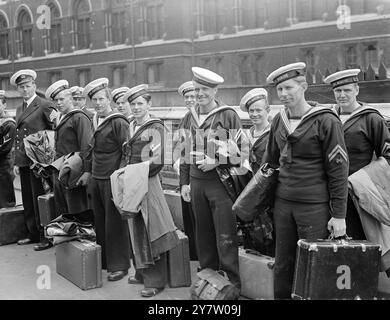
83	180
186	192
16	171
207	164
337	227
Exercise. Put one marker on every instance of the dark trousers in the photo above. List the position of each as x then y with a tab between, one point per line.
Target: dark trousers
294	221
353	222
31	188
215	228
7	194
156	275
71	201
112	233
189	227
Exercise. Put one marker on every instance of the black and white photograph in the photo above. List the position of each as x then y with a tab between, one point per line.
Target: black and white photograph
217	152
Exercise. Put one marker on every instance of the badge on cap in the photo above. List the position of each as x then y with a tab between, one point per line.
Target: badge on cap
135	92
206	77
23	76
186	87
343	77
95	86
287	72
252	96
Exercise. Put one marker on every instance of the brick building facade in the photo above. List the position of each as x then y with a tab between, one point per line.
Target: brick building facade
157	41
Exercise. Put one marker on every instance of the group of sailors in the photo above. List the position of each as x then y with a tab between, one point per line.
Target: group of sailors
314	147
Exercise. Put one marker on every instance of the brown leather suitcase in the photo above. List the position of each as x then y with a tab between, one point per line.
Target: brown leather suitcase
179	270
12	226
256	274
336	269
47	209
80	263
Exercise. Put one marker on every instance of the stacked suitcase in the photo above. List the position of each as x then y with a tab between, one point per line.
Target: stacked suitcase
342	269
12	226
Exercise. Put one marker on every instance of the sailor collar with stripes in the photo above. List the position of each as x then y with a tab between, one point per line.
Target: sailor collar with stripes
201	122
345	118
292	125
96	123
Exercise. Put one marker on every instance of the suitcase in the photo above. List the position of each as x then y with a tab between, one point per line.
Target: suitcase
173	199
257	275
80	263
384	284
12	226
179	270
336	269
47	209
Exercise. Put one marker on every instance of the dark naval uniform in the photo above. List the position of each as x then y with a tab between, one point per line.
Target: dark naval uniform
39	115
190	119
215	223
312	184
7	137
72	134
112	232
87	112
365	134
257	147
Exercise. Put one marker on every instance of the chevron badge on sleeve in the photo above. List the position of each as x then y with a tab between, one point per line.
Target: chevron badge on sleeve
386	148
338	150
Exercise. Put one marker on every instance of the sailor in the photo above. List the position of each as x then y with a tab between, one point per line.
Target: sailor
365	133
79	100
215	224
33	115
255	102
123	106
7	137
306	143
72	134
187	91
111	131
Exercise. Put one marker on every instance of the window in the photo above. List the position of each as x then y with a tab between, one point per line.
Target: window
351	57
52	37
24	34
205	63
309	58
118	76
259	67
81	24
4	34
218	65
153	73
116	21
371	56
210	16
4	83
54	76
238	15
152	20
304	10
261	15
83	77
245	69
292	9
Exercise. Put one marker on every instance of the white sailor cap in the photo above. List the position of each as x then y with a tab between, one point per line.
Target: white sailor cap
95	86
77	92
206	77
56	88
186	87
251	97
23	76
2	93
135	92
343	77
287	72
118	93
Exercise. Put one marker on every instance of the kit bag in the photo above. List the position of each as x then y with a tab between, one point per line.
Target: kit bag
213	285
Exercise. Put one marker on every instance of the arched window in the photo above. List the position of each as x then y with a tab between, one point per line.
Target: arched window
4	32
81	24
24	34
53	40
